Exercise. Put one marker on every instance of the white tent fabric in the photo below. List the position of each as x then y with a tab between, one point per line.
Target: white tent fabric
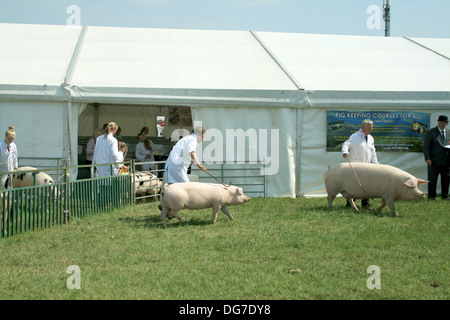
438	45
231	80
190	66
34	61
339	70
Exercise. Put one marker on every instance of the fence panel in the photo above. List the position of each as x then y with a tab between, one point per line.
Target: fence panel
147	185
37	207
248	176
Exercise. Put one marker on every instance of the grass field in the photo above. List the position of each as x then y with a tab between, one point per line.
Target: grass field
275	249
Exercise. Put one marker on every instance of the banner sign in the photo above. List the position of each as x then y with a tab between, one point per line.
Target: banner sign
393	131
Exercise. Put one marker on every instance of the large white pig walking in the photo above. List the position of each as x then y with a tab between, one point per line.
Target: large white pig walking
197	195
379	181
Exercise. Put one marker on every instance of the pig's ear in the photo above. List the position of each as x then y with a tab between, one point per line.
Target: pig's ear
410	183
423	181
239	191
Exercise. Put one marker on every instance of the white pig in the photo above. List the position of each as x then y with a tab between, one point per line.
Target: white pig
197	195
147	183
21	180
378	180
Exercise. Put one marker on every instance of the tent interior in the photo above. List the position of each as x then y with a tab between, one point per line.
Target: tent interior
166	125
268	92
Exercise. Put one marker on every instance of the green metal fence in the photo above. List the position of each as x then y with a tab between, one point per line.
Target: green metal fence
41	206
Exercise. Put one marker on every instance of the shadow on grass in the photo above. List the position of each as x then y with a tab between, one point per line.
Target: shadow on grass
385	212
155	221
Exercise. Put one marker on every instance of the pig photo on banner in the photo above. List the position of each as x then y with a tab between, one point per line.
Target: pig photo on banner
401	131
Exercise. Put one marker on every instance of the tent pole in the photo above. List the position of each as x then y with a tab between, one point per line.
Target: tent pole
290	76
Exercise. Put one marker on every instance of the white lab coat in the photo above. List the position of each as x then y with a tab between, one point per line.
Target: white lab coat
140	153
106	151
359	150
8	159
180	159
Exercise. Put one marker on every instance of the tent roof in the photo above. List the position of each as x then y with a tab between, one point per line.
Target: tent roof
355	63
37	54
165	58
138	65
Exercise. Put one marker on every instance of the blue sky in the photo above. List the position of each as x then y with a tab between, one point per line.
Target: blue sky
410	18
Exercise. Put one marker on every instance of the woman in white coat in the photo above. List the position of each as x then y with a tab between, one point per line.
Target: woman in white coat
143	152
107	151
8	155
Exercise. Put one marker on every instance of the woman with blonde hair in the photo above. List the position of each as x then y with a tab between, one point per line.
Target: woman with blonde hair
9	158
106	151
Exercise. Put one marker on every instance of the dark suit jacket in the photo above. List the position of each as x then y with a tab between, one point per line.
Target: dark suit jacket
433	148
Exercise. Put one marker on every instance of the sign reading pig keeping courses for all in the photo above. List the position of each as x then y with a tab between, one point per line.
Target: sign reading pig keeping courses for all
393	131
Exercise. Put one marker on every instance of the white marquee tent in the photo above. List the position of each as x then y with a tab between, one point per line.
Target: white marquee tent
259	82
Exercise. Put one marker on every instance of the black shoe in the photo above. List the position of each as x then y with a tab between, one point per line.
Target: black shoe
365	203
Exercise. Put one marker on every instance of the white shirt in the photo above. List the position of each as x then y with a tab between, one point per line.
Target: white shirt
8	159
141	152
180	159
106	151
117	166
359	150
443	133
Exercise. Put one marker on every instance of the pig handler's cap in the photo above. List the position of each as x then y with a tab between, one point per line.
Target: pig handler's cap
443	118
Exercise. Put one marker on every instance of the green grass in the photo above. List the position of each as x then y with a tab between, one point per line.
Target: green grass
276	248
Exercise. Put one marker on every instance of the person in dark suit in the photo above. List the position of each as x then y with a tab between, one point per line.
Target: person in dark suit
437	157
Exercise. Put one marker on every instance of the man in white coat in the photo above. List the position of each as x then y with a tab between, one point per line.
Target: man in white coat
360	147
107	151
181	156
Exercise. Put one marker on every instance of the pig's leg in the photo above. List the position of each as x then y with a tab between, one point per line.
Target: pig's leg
391	204
330	198
163	216
216	209
352	204
383	204
225	210
174	212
